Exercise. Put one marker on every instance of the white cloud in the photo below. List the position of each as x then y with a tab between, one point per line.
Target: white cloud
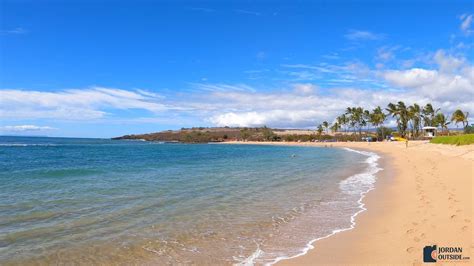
14	31
466	22
238	119
222	87
25	128
448	63
319	68
453	80
292	110
449	85
75	104
386	53
247	12
360	35
349	72
304	88
410	78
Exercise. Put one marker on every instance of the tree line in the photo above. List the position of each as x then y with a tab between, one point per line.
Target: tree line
409	119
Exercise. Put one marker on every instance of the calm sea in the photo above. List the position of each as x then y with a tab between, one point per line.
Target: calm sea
94	201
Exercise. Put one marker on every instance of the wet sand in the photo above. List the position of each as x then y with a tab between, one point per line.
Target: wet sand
423	197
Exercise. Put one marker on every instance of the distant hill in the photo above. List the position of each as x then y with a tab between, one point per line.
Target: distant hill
221	134
205	134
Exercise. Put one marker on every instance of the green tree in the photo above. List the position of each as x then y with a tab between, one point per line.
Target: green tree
377	118
320	129
356	118
400	113
267	133
335	127
383	131
342	121
442	122
326	126
366	119
414	113
460	117
428	114
244	133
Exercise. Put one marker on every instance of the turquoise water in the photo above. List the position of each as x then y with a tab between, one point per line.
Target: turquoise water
102	201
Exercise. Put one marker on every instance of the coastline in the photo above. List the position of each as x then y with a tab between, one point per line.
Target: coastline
423	197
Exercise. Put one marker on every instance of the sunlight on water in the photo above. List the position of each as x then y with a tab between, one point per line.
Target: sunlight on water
102	201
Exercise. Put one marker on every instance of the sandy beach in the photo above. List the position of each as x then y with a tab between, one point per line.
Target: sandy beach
423	197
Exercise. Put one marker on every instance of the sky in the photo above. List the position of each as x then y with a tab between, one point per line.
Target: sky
108	68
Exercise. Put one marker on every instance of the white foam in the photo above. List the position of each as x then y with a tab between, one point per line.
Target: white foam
24	144
250	260
360	183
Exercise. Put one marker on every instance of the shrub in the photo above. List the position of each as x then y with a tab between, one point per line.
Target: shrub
454	140
383	132
469	129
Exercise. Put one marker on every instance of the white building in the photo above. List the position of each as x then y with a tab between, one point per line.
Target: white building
429	132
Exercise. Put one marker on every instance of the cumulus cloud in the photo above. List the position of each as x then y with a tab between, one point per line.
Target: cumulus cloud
25	128
453	80
292	110
410	78
449	85
75	104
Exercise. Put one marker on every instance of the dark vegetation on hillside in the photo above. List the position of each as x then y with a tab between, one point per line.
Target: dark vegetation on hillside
202	135
220	134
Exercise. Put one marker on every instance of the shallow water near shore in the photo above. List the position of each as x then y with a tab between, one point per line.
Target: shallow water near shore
102	201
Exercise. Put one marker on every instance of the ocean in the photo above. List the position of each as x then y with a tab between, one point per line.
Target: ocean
98	201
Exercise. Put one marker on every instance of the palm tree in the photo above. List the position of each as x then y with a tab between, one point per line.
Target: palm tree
326	126
442	121
404	117
366	119
429	114
414	112
393	111
335	127
459	117
342	121
320	130
356	118
377	118
400	112
350	117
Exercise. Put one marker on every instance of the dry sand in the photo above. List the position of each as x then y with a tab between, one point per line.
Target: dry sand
423	197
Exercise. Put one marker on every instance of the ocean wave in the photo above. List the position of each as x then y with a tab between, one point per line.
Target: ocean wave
360	184
25	144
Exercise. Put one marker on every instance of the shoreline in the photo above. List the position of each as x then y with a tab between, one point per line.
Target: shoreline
376	168
423	197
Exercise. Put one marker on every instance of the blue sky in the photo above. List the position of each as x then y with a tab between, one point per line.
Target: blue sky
107	68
